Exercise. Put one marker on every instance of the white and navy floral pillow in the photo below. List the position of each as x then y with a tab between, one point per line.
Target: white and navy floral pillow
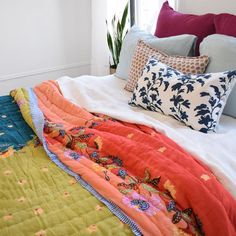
195	100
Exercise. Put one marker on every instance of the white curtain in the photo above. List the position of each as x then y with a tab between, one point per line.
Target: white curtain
147	12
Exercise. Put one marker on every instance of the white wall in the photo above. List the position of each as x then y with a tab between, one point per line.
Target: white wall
206	6
43	39
99	53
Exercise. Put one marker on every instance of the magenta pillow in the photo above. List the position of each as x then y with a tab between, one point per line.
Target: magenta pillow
172	23
225	24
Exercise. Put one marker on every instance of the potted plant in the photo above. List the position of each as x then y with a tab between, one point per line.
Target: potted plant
115	37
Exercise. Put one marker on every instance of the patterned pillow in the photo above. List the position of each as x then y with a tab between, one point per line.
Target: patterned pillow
192	65
195	100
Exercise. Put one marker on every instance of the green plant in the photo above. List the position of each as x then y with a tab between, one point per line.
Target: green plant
116	35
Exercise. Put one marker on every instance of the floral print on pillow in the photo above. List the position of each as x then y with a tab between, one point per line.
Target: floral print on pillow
195	100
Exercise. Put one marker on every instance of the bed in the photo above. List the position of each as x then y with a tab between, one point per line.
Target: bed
113	102
77	158
36	192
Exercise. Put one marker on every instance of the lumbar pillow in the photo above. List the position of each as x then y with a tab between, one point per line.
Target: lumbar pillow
186	65
170	23
195	100
222	52
182	45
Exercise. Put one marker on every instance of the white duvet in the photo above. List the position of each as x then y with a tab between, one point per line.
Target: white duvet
107	95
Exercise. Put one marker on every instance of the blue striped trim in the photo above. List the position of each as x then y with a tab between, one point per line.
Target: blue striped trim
36	114
38	120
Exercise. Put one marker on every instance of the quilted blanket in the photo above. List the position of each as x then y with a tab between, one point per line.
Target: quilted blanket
36	197
157	186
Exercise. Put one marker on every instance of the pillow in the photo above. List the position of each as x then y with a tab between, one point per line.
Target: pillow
222	52
195	100
172	23
193	65
180	45
225	24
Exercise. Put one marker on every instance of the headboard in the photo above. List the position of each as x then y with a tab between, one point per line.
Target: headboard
206	6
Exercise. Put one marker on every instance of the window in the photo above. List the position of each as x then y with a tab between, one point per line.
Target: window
115	7
147	12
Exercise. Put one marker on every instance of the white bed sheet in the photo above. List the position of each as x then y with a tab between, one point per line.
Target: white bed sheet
106	95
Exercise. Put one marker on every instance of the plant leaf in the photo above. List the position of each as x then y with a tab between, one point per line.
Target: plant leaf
110	45
116	35
124	16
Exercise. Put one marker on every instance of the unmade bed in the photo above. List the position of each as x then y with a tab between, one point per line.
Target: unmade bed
94	155
147	151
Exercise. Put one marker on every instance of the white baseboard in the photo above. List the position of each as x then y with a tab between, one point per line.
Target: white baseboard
31	78
43	71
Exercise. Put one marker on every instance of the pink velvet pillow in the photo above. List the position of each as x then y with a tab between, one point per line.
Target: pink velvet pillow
225	24
172	23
